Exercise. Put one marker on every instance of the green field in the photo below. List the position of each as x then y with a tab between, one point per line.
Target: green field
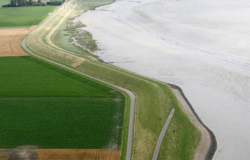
25	76
46	106
23	16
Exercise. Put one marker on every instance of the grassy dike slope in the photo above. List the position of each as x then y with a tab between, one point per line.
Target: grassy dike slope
154	100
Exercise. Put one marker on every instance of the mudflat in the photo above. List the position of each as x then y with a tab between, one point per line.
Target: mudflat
200	46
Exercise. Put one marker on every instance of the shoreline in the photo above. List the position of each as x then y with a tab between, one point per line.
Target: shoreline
211	149
212	144
187	45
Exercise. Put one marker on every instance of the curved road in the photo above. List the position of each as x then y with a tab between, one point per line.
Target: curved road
131	95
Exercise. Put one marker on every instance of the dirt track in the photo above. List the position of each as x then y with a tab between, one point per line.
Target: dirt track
10	40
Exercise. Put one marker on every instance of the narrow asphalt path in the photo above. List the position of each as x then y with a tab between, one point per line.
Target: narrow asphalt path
163	131
131	95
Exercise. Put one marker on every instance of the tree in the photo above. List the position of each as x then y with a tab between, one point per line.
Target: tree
30	2
18	2
14	2
22	2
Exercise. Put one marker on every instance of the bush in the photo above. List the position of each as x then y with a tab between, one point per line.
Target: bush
26	4
7	5
54	3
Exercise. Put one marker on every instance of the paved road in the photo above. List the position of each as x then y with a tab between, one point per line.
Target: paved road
131	95
158	145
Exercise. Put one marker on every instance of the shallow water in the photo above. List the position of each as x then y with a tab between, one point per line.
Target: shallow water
202	46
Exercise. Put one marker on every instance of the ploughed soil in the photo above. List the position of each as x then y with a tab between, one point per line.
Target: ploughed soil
77	154
28	153
10	41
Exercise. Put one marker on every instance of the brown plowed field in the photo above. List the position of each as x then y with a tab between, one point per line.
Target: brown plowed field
10	40
69	154
77	154
4	154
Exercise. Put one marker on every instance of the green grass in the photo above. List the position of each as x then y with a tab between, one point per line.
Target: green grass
23	16
62	39
181	138
83	38
25	76
47	106
58	122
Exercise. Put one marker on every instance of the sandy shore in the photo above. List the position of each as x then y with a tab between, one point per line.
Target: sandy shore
201	46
